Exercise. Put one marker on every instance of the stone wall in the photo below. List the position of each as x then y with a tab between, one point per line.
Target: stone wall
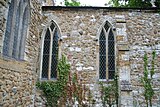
136	32
3	16
144	36
17	78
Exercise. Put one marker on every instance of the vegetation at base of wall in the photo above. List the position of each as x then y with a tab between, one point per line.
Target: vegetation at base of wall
147	79
54	90
72	3
68	90
109	93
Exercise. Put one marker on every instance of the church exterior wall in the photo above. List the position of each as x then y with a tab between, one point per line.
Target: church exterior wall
136	32
18	78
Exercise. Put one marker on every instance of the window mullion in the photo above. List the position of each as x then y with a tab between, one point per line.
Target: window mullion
20	34
50	53
106	35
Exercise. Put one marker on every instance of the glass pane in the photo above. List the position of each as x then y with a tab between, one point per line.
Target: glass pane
111	55
102	56
16	33
46	49
106	26
7	38
24	32
54	55
52	26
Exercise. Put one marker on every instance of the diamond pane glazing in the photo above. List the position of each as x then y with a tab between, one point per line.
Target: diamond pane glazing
111	55
46	50
106	26
54	55
102	56
52	26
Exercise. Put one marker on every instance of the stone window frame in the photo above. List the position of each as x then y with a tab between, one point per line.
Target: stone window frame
111	27
17	30
47	26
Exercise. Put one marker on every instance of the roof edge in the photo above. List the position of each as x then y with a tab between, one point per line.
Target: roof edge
45	8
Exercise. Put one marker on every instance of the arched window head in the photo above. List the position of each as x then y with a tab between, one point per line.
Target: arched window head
106	53
50	52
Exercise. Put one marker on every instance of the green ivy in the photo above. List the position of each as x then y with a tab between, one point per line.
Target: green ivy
54	90
109	93
148	81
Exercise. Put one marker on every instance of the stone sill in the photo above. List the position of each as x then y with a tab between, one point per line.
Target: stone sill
105	80
12	64
42	80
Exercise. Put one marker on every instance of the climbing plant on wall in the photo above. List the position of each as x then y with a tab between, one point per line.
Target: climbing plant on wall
54	90
109	93
147	79
67	90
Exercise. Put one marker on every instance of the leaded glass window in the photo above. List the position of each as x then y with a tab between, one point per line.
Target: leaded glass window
111	55
102	56
106	53
50	53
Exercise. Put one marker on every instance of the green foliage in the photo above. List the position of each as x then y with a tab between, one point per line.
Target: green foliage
116	3
66	90
72	3
157	3
54	90
139	3
147	81
134	3
109	93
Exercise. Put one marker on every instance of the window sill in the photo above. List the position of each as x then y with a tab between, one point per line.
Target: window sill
12	64
106	80
45	79
6	58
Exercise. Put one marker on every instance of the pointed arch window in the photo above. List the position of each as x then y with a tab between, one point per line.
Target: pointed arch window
50	52
16	29
106	53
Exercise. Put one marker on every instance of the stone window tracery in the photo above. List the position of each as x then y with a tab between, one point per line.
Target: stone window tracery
106	53
50	51
16	29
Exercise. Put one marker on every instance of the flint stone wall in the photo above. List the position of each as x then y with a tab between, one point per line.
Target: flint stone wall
137	32
18	78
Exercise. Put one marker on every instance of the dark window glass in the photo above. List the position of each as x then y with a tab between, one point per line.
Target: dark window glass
54	55
106	26
102	56
46	50
111	55
52	26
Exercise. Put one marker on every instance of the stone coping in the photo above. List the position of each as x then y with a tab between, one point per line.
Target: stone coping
152	9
